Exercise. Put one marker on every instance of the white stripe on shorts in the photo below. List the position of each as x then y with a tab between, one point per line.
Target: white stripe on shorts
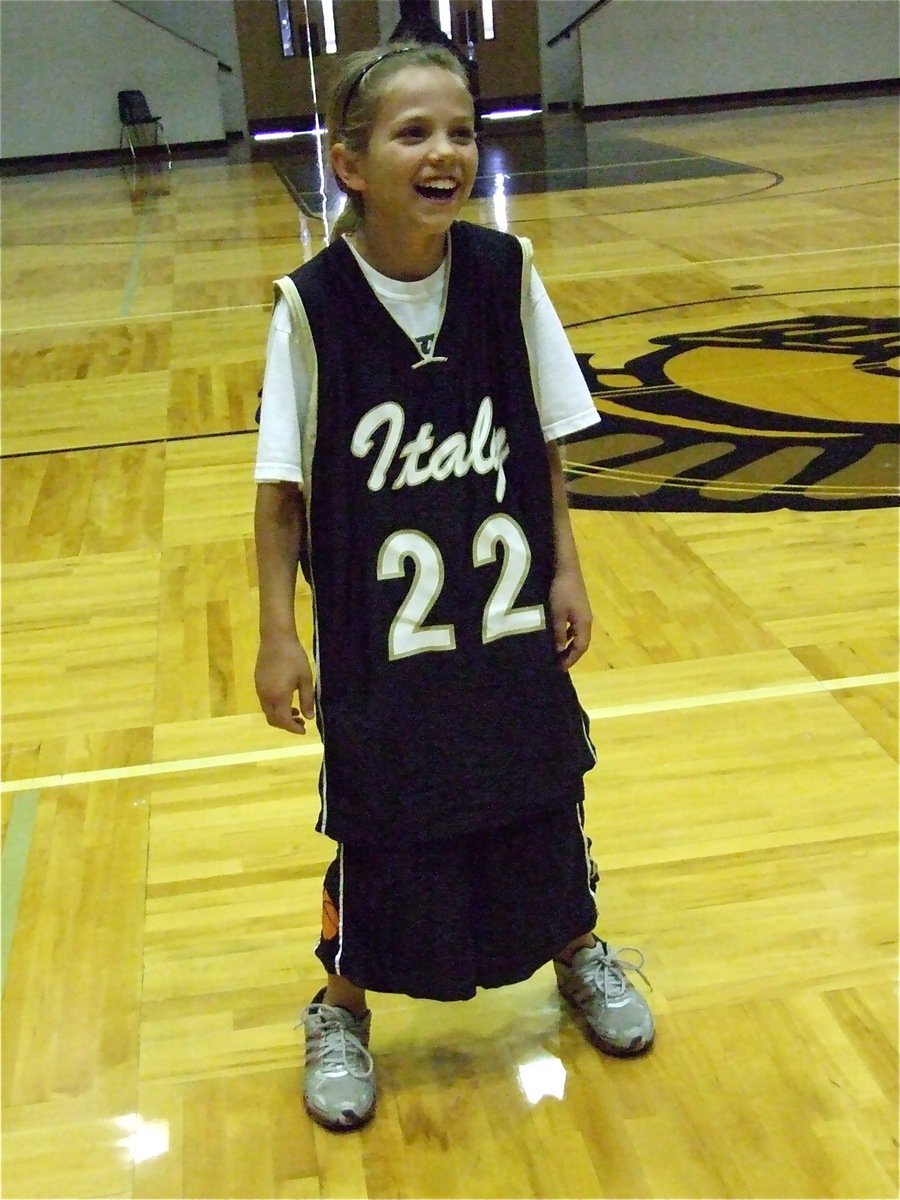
340	949
587	853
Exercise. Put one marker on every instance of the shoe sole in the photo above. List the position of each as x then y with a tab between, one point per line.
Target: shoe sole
594	1037
337	1126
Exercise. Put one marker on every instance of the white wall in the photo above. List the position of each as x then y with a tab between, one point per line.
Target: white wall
634	50
561	65
388	16
209	23
62	63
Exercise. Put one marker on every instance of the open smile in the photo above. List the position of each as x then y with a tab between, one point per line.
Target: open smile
438	190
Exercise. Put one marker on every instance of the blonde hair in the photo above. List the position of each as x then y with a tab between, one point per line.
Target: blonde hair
355	96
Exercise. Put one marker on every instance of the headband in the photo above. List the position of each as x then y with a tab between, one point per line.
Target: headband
354	86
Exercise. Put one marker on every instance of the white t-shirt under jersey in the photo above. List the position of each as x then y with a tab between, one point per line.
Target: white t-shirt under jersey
563	400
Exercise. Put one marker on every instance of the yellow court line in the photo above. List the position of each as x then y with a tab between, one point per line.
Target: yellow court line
308	749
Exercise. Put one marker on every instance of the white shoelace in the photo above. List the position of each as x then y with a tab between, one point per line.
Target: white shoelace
608	969
338	1050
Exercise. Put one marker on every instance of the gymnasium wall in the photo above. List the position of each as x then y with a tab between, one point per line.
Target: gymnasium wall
62	63
209	23
277	87
510	65
635	50
388	16
560	64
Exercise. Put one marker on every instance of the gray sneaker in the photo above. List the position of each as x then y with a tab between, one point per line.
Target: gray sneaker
339	1083
618	1017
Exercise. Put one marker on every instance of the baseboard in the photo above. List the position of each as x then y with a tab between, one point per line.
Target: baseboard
36	163
726	100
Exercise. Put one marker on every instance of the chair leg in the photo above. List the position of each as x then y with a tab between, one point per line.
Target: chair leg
161	130
129	132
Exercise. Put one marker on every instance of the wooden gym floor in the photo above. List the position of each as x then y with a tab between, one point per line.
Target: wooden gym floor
161	875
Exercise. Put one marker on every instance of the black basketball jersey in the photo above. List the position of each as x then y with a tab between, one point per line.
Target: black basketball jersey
430	555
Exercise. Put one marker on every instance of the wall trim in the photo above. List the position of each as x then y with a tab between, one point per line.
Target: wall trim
35	163
726	100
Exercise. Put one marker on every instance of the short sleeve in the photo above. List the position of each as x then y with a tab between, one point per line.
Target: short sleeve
563	399
285	400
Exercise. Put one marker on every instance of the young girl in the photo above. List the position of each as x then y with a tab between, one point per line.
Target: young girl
416	380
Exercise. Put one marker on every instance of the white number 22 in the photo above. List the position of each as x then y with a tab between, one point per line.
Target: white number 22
409	634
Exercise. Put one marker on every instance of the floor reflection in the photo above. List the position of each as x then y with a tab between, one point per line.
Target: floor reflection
547	154
540	1077
146	181
143	1140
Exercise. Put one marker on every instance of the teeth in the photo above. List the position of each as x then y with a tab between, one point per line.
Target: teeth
443	185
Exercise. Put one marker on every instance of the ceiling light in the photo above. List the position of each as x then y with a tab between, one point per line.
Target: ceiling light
508	114
487	19
328	22
444	17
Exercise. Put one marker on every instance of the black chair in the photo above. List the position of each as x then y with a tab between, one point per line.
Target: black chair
134	113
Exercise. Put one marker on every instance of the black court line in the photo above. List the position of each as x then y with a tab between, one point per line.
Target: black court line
618	212
193	437
777	180
162	441
528	168
636	312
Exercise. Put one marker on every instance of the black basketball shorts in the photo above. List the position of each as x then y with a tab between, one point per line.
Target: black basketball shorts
438	919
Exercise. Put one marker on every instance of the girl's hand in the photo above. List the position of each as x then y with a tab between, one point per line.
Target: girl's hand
570	612
282	668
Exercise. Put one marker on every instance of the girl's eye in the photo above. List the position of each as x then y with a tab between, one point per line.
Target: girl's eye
463	134
412	132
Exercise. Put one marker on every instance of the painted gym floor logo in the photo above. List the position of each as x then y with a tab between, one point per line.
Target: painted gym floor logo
799	412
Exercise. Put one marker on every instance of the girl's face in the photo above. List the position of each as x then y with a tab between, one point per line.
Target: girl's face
419	167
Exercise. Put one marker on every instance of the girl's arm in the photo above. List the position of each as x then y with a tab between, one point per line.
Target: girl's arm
570	609
282	665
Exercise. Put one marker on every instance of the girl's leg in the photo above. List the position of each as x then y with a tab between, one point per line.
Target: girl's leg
587	940
344	994
340	991
580	943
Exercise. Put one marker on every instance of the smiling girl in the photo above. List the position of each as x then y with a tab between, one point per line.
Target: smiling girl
417	379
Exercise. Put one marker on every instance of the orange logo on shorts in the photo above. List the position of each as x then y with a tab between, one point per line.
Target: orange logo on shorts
330	920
